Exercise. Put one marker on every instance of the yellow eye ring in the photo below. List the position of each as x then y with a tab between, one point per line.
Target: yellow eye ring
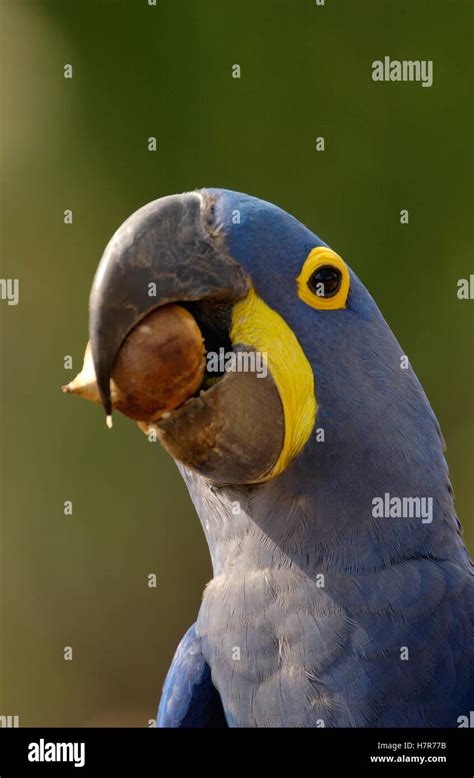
324	270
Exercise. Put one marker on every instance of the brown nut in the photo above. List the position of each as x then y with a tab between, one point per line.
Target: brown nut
159	366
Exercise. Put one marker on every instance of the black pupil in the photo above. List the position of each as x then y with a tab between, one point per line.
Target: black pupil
325	281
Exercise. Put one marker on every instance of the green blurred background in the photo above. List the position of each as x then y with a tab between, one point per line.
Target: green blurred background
165	71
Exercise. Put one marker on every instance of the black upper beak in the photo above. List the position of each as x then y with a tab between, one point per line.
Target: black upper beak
167	251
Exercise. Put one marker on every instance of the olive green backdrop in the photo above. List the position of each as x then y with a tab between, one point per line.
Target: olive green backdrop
165	71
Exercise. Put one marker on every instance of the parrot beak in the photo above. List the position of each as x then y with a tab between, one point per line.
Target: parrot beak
161	254
171	251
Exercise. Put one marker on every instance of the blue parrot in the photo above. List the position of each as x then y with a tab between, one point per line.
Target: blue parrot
342	593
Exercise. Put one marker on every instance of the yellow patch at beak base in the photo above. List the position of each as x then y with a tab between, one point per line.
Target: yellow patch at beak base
258	326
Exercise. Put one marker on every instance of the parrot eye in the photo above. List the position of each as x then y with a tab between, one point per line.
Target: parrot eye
325	281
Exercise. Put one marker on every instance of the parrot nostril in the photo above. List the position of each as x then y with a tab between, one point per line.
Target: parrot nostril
209	212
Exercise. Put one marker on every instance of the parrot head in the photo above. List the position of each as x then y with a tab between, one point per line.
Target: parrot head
337	416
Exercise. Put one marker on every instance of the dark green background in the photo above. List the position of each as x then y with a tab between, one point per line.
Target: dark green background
82	144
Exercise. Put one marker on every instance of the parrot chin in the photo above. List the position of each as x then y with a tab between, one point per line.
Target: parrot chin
170	251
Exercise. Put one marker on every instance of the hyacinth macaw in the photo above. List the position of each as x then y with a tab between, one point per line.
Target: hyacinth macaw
329	606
